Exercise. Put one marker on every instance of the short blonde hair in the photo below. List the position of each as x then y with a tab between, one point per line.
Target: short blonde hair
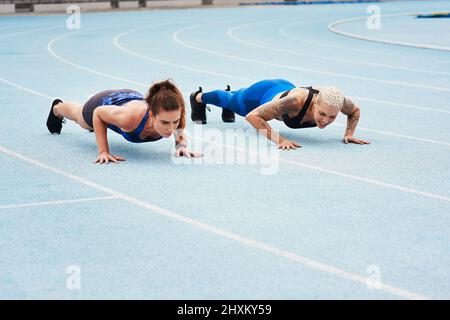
332	96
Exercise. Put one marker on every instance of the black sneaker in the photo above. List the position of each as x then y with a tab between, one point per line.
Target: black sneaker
198	110
54	123
227	114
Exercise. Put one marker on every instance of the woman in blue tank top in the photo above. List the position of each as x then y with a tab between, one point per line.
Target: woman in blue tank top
297	107
137	118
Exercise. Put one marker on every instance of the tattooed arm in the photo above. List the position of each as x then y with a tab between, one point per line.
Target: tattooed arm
258	118
353	112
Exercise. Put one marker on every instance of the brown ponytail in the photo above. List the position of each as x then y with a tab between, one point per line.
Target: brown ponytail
166	96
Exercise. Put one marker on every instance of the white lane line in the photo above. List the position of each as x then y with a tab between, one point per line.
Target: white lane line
348	48
332	28
221	232
145	85
56	202
171	64
230	33
447	144
25	89
404	105
29	31
53	54
176	38
337	173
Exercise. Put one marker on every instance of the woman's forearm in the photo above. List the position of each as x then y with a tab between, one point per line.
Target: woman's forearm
264	128
100	129
352	121
270	110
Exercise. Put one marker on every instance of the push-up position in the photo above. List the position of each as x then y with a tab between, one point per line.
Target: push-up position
137	118
297	107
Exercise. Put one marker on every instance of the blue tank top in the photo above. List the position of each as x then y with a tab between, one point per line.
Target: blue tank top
119	98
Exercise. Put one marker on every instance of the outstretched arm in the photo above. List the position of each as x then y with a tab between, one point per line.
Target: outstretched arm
258	119
353	113
103	116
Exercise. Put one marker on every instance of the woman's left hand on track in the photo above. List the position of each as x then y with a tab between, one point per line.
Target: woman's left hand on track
352	139
105	157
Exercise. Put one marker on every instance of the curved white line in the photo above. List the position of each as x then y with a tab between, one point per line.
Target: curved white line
447	144
287	35
27	32
171	64
25	89
175	37
372	64
56	56
404	105
332	28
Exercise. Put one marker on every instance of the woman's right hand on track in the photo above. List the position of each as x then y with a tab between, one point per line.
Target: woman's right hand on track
105	157
288	144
